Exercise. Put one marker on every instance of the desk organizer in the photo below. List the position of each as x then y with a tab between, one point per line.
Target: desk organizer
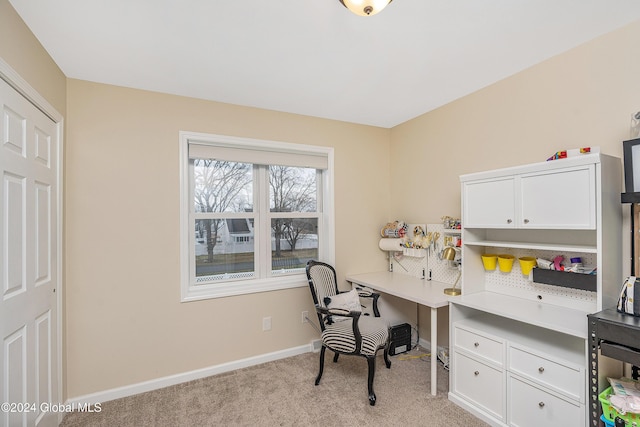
424	263
586	282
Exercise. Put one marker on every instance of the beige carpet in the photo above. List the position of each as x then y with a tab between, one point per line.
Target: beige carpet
282	393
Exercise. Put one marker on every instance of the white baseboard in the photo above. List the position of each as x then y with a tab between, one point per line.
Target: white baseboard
424	343
130	390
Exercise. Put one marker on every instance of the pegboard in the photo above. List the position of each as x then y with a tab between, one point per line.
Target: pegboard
517	284
427	261
411	262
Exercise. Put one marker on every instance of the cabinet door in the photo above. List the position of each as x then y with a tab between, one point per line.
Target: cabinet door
489	203
558	199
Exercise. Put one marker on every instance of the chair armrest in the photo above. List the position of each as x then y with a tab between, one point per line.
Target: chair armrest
337	312
328	313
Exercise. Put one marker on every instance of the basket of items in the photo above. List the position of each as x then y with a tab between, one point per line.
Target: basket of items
621	400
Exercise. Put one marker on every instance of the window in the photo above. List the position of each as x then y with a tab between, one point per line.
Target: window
252	214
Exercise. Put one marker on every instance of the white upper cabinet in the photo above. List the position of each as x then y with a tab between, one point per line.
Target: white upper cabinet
562	198
490	203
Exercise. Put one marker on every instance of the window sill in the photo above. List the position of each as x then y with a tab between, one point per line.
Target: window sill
227	289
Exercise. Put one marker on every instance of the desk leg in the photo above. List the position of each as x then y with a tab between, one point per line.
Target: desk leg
434	350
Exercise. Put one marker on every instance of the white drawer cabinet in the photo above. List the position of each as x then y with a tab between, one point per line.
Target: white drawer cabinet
512	373
480	383
533	406
568	208
534	335
554	375
479	345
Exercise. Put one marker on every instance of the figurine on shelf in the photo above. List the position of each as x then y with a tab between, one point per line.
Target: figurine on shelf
421	240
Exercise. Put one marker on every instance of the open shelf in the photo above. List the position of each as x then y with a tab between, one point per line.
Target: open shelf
534	246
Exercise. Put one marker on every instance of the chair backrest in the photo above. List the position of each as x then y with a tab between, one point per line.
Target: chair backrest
322	281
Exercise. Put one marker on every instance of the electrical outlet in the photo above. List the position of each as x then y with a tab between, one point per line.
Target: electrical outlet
305	316
266	323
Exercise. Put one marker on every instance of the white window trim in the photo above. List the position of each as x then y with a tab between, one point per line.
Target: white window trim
326	250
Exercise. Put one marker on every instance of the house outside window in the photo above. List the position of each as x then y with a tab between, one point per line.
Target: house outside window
253	213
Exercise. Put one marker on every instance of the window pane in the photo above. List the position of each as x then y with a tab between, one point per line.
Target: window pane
221	186
224	249
292	189
294	241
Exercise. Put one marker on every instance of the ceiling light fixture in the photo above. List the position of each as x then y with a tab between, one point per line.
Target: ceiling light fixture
365	7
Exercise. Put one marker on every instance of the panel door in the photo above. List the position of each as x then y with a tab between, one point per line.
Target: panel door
28	256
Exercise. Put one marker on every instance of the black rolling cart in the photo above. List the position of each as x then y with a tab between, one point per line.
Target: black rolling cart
614	334
617	336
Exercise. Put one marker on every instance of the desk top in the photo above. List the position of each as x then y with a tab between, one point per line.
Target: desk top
554	317
422	291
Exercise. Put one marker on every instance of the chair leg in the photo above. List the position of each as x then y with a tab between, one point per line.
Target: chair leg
386	357
335	357
371	361
322	350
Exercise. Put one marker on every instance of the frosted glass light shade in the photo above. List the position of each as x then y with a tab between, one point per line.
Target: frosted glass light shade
365	7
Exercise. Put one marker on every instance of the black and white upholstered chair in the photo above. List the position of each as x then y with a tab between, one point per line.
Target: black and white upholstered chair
345	329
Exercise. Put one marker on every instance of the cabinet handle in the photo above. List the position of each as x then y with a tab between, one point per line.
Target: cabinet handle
541	369
509	221
476	373
476	344
526	221
541	404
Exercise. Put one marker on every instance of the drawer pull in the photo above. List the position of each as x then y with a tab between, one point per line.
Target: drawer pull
476	373
526	221
476	344
541	404
541	369
509	221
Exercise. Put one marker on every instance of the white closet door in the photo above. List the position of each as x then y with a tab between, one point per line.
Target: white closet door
29	262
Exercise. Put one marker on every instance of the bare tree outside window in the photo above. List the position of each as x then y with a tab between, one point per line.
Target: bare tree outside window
293	189
219	186
225	246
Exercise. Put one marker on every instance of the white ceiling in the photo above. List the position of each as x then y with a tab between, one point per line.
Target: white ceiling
314	57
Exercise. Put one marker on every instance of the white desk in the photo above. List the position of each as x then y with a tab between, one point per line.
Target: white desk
425	292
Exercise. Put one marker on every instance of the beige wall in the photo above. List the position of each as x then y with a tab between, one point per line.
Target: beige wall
584	97
24	53
125	321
